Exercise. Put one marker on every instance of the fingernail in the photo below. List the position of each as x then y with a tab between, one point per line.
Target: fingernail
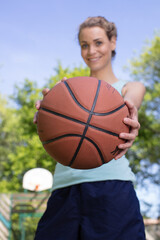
122	135
120	146
125	119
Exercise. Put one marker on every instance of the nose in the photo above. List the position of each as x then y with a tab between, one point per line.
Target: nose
91	50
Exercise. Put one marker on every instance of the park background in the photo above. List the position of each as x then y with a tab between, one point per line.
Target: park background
39	46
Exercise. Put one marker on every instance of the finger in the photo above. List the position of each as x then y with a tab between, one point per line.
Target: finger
132	123
38	104
120	154
64	79
129	136
35	118
45	91
132	109
129	104
125	145
57	83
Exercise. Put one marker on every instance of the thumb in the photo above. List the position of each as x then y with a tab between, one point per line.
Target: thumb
63	79
45	91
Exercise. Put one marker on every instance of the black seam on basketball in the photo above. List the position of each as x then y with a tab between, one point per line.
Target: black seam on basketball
74	98
105	131
80	122
63	116
111	112
76	135
87	124
85	109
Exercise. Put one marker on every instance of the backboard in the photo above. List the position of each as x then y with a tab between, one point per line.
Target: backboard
37	179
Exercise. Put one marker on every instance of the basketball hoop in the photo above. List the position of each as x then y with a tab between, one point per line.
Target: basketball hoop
37	179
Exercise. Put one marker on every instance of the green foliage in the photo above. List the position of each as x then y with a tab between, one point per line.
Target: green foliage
146	68
21	148
9	139
68	73
24	225
147	65
28	151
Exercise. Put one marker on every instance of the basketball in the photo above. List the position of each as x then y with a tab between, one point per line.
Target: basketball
80	120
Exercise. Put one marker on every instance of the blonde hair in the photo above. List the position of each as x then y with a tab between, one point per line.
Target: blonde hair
109	27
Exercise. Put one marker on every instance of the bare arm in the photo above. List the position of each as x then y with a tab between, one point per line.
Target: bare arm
133	94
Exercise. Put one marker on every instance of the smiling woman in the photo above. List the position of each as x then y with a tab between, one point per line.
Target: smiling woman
98	203
108	27
96	50
97	38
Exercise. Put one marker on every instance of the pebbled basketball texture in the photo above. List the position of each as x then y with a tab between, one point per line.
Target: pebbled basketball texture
80	120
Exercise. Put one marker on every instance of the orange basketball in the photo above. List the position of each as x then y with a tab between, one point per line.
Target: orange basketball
80	120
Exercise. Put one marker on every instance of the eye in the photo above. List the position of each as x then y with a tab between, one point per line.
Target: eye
84	46
98	43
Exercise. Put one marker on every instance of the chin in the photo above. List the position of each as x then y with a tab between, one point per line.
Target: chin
95	68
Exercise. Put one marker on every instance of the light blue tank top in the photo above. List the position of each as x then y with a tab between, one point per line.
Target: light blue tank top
114	170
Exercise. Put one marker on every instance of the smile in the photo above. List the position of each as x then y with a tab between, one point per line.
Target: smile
94	59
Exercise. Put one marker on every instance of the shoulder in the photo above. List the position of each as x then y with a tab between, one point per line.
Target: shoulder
133	87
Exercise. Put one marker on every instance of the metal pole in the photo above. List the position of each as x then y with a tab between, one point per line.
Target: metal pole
21	224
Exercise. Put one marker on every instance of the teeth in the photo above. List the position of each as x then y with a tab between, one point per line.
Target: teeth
93	59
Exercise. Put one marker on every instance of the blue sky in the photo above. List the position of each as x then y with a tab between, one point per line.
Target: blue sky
35	34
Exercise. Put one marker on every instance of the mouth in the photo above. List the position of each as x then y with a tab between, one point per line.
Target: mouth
95	59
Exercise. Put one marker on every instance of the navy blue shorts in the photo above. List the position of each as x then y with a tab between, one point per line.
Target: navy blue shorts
106	210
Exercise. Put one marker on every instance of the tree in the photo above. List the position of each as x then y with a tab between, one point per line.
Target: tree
147	68
145	153
68	73
29	152
9	139
26	150
23	147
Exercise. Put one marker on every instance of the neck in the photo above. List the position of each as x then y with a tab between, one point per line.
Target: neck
105	74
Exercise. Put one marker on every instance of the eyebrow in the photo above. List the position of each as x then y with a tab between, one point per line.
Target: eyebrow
93	40
97	39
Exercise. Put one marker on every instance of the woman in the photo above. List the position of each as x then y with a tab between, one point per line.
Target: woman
100	203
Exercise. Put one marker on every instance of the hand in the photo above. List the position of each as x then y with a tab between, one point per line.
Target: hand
38	102
132	122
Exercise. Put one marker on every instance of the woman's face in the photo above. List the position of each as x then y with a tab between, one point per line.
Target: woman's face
96	48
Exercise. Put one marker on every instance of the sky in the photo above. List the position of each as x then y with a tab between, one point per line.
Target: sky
36	34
